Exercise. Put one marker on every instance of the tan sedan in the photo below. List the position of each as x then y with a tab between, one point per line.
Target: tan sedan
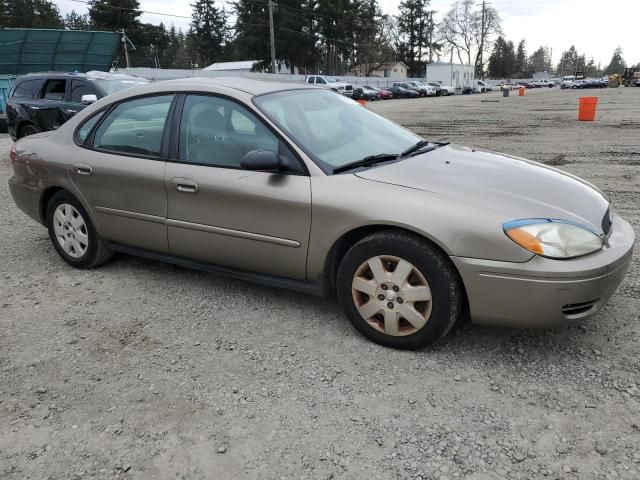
299	187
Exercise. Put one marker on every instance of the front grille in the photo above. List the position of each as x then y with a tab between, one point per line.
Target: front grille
606	222
572	309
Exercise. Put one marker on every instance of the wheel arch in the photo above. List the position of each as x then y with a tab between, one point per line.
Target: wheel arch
45	198
21	124
341	245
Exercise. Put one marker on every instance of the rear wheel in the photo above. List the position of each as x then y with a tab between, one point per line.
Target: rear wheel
72	233
399	290
27	130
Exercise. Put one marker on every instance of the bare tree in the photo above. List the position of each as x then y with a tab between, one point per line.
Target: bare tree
488	26
457	30
468	30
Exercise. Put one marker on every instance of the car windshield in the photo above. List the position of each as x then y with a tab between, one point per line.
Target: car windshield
331	129
113	85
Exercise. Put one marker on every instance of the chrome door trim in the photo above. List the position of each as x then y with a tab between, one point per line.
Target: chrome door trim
233	233
285	242
126	213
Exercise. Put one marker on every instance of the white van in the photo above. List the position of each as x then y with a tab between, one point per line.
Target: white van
480	86
567	81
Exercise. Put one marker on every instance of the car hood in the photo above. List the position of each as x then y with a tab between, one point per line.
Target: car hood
512	187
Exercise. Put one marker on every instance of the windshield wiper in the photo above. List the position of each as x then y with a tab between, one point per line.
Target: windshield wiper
366	161
420	145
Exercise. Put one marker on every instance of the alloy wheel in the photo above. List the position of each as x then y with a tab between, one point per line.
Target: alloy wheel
392	295
70	230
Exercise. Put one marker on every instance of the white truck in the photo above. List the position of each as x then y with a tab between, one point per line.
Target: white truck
480	86
331	83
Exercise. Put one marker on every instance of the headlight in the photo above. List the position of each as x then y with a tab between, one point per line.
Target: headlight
553	238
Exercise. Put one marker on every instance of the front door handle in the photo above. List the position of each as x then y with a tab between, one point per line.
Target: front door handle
185	185
83	169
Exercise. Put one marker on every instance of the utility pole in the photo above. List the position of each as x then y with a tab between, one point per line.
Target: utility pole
273	46
431	36
482	40
126	50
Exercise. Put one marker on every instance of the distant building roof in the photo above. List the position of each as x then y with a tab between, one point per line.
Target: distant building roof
382	66
240	65
447	64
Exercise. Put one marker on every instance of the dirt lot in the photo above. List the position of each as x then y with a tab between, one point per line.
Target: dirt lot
143	370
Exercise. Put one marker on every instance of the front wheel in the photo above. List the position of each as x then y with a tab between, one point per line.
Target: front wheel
72	233
399	290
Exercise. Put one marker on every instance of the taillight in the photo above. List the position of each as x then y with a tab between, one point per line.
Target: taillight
13	156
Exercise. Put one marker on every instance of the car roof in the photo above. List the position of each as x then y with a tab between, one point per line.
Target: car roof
91	75
251	86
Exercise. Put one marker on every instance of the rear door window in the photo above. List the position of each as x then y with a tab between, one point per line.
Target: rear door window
80	88
27	89
134	127
54	90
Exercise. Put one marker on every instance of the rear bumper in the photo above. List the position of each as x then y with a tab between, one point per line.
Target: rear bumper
544	292
26	198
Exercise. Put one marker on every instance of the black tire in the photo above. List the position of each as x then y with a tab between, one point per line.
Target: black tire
97	252
27	130
447	292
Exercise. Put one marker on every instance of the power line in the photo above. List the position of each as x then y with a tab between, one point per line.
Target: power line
86	2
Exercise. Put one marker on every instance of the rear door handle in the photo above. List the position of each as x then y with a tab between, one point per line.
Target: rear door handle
185	185
83	169
72	112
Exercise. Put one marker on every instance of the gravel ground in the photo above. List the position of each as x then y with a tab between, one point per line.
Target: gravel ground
144	370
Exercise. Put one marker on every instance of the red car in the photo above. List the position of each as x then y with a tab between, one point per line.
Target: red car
384	94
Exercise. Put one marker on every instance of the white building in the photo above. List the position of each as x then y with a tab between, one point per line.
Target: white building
453	74
392	70
244	66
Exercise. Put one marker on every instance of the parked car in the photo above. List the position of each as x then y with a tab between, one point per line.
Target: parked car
543	83
579	83
331	83
39	102
384	94
420	89
444	89
362	93
429	90
526	84
410	234
595	83
375	93
402	92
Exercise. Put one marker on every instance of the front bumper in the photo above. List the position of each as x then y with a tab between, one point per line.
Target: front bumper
545	292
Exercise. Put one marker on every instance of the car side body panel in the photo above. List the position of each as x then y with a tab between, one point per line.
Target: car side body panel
126	195
254	221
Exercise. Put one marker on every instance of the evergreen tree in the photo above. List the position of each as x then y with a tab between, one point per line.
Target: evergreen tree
503	59
75	21
539	61
209	31
413	25
115	15
521	59
29	14
617	63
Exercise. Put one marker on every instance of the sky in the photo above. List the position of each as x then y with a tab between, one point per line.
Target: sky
595	27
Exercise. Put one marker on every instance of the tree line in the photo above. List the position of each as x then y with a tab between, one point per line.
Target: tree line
508	61
313	36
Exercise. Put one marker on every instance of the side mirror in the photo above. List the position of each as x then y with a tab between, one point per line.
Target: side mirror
264	160
88	99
